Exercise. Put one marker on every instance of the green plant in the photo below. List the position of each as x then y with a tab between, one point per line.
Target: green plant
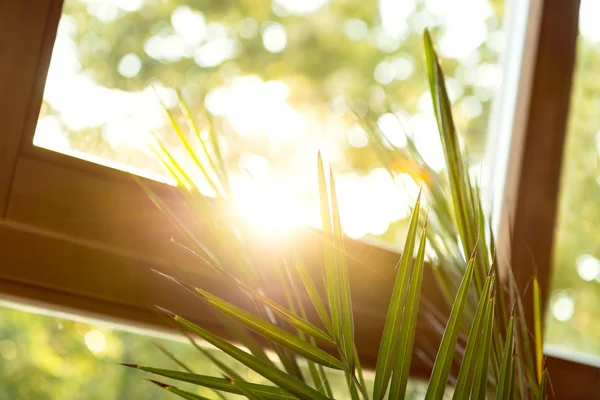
498	357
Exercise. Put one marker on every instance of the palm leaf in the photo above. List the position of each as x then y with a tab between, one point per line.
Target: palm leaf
542	392
480	376
225	369
289	316
194	129
347	319
191	151
333	294
443	360
214	141
181	393
465	213
391	330
278	377
313	294
504	381
320	379
465	376
409	324
271	331
171	356
225	385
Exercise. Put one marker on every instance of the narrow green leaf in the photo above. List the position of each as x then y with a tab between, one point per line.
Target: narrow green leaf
333	295
264	391
174	168
200	250
480	377
526	367
520	375
194	128
214	140
409	324
537	323
271	331
510	392
544	382
467	366
289	316
264	328
347	319
443	360
500	325
245	392
242	334
316	377
313	294
320	378
181	393
191	152
225	369
383	369
236	330
287	357
358	370
278	377
501	315
171	356
351	386
503	386
460	188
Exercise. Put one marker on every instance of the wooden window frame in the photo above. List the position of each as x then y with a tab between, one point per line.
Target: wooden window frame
83	238
531	188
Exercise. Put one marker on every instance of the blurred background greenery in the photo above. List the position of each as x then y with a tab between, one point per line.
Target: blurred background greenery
281	79
573	317
46	357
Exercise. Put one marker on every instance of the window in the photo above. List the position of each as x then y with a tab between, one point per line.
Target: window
573	318
69	227
280	78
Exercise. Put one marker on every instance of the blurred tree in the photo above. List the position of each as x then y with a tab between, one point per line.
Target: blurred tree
573	321
279	76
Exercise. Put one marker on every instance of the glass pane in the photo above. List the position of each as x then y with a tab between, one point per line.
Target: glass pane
280	77
45	357
573	320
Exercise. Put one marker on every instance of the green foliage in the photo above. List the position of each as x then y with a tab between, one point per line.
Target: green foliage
391	328
578	215
472	284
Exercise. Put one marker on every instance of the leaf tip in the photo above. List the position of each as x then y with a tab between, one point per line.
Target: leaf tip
331	178
427	37
161	273
160	384
135	366
167	312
